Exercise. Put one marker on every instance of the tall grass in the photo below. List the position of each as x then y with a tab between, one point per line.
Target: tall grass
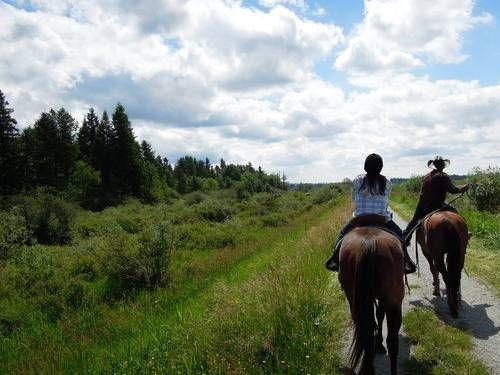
234	303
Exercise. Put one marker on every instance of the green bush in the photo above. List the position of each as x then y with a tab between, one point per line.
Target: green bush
85	186
324	194
194	197
485	188
13	231
265	203
291	203
47	216
39	276
203	236
412	185
131	262
90	225
215	210
274	220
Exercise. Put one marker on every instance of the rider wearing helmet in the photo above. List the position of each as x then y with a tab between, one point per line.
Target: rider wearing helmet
435	185
370	193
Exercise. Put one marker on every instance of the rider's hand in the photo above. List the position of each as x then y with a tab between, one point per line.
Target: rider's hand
465	188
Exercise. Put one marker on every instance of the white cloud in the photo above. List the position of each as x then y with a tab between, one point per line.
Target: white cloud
319	12
223	80
393	33
301	4
216	45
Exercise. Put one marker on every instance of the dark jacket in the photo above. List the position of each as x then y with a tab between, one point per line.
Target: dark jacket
435	185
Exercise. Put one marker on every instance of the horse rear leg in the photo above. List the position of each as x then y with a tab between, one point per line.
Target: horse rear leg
435	275
379	346
393	325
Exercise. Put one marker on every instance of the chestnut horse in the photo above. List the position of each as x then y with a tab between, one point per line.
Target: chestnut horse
445	232
371	269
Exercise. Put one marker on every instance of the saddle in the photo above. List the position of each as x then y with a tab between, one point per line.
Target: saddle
445	207
367	221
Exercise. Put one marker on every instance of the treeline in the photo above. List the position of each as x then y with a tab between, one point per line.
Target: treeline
100	163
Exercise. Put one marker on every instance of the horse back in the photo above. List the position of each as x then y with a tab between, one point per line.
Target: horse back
387	257
444	231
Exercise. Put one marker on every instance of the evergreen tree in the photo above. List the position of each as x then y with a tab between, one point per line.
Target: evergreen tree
9	152
48	150
41	145
87	137
126	155
67	150
104	140
147	152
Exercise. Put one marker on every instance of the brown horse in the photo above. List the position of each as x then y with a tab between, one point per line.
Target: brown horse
445	232
371	269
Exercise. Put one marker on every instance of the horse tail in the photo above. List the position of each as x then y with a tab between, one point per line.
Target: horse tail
454	265
363	342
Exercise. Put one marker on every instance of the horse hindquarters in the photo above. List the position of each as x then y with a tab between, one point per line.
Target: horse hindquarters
454	265
362	309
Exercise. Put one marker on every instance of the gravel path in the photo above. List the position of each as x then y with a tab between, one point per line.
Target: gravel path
479	313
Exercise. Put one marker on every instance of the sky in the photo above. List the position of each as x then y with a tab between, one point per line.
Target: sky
304	88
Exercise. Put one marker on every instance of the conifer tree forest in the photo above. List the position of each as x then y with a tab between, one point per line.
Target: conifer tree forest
100	163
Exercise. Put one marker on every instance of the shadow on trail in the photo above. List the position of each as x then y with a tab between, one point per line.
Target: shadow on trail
472	318
381	362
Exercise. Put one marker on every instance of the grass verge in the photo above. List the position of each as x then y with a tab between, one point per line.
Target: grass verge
438	348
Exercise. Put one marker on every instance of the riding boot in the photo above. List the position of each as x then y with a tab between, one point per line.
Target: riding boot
333	262
409	266
405	235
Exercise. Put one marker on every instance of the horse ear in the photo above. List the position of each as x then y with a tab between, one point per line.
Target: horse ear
429	163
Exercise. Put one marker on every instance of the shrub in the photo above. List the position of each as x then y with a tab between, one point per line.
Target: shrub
202	236
49	217
485	188
292	202
265	203
85	185
215	210
274	220
136	262
324	194
194	198
39	276
242	190
93	225
412	185
13	231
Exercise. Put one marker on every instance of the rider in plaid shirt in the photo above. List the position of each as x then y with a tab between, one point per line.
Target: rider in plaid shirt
367	203
370	193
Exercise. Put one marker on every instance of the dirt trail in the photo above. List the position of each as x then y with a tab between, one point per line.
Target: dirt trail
479	314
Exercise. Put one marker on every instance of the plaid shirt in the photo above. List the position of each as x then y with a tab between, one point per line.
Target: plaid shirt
366	203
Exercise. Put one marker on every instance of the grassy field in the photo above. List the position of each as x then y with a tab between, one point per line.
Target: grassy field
248	294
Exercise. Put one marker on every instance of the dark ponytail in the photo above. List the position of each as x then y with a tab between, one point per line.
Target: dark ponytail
375	181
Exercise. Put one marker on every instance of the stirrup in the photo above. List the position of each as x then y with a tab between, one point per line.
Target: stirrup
409	266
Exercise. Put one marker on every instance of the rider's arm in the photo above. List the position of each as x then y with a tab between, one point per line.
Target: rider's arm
450	188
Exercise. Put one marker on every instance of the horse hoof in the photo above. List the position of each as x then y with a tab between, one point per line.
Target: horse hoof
380	349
